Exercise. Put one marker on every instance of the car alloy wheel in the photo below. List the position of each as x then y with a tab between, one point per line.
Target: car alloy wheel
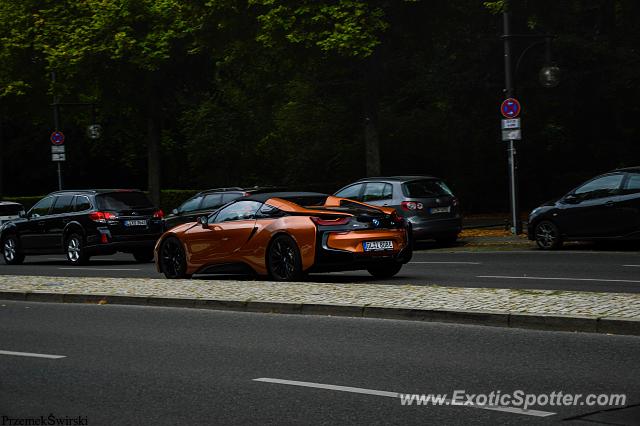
172	259
76	254
12	255
283	259
548	236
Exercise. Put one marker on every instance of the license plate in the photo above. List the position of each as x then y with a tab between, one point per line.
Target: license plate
441	209
135	222
378	245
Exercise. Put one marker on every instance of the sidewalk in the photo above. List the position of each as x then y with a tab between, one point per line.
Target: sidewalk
617	313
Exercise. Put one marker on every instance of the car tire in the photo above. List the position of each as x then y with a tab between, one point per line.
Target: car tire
547	236
143	256
385	270
11	250
284	262
172	259
75	250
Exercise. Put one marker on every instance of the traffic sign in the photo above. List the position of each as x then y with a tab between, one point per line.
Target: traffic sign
512	135
510	123
510	108
58	157
57	138
57	149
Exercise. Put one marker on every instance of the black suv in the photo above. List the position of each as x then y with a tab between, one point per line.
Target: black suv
85	223
203	203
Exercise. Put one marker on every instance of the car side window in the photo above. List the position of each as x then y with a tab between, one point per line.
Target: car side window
81	204
633	183
268	211
241	210
230	196
212	201
41	208
190	205
352	192
604	186
376	191
63	204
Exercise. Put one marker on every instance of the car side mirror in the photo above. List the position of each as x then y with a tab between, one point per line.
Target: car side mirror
22	214
174	211
204	221
572	199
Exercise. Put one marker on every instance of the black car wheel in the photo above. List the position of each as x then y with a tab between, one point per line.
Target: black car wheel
11	251
284	262
143	256
385	270
76	252
173	261
548	235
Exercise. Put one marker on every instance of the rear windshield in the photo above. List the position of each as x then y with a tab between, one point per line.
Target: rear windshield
123	201
307	200
426	188
11	210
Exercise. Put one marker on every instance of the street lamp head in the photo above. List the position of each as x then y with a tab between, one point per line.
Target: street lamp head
549	76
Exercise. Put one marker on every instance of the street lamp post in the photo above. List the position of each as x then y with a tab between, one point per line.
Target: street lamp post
549	77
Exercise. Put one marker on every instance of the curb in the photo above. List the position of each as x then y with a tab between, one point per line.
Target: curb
605	325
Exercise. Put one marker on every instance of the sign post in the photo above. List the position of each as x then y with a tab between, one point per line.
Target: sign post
510	110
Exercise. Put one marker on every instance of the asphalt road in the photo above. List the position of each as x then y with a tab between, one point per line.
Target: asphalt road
588	270
144	365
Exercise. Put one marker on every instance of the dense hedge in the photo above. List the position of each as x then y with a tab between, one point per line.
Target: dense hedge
169	199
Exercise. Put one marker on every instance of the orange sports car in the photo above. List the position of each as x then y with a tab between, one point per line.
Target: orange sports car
286	235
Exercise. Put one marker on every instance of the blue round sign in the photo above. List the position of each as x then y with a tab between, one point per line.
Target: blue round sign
57	138
510	108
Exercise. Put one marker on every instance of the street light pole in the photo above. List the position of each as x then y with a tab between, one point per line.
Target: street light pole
516	225
56	123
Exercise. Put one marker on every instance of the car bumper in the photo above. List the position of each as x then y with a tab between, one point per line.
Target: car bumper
104	242
344	251
432	228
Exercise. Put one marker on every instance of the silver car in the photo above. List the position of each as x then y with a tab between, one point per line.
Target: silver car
425	201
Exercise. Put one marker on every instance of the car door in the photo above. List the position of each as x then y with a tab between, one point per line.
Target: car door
628	204
224	235
56	221
591	210
32	232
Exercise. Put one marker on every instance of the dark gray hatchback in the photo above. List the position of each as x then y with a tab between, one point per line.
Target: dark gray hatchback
425	201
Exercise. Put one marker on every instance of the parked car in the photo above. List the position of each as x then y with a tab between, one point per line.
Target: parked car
286	235
85	223
425	201
10	211
605	207
203	203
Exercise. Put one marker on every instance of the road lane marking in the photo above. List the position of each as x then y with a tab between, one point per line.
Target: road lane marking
99	269
29	354
632	266
557	279
452	263
447	402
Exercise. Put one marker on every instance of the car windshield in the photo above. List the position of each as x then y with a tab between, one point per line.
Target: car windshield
123	201
426	188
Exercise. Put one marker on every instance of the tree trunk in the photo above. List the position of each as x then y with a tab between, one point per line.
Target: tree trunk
370	109
153	150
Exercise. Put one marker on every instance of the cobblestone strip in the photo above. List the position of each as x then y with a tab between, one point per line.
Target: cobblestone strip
407	296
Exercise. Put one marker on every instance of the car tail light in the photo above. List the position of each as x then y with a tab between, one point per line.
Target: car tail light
331	222
159	214
397	219
411	205
104	239
101	217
